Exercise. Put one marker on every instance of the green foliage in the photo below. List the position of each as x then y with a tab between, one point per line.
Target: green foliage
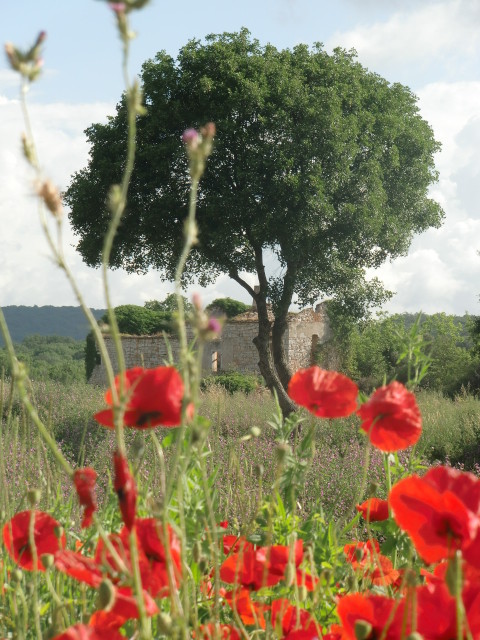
92	356
453	364
317	159
228	306
49	358
141	321
168	305
233	381
377	350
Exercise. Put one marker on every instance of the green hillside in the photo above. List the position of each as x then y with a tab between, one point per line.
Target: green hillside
68	322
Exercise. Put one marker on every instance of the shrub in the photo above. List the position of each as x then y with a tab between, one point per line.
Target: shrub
228	306
233	381
139	321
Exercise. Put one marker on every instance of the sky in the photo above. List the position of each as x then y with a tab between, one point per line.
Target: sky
432	46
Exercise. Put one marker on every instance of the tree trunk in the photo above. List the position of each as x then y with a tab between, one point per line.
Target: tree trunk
279	357
280	326
262	340
266	363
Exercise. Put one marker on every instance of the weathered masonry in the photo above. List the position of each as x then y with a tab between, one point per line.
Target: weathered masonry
234	350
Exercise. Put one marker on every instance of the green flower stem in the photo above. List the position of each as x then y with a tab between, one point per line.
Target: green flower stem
361	488
145	627
118	205
121	566
190	236
458	581
33	551
213	529
19	377
57	251
176	605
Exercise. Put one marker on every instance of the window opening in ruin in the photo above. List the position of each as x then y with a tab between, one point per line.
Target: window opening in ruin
314	349
216	361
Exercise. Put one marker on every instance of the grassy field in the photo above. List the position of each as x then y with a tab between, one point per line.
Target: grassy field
243	463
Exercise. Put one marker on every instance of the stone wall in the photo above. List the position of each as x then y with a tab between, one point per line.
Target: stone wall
146	351
233	351
305	331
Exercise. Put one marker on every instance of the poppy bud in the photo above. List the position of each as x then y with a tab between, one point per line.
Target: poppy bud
351	583
33	497
259	470
47	560
453	577
28	150
415	636
197	551
58	531
373	489
138	447
410	578
302	593
105	594
363	629
203	564
326	575
164	623
255	431
50	195
125	488
290	573
282	450
16	576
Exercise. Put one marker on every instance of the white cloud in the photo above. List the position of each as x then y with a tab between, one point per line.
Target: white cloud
27	273
444	33
441	271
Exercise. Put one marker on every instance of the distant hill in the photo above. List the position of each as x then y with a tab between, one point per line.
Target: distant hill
47	321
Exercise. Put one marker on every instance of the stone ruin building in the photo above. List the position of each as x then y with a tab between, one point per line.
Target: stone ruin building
233	350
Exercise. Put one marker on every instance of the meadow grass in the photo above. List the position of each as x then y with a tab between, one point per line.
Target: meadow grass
244	465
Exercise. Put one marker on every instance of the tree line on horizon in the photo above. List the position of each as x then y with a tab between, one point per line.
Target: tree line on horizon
366	351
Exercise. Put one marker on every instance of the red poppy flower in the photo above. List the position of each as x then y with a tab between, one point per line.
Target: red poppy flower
151	558
380	615
224	632
257	568
17	541
154	398
374	509
326	394
151	552
84	481
125	606
295	623
334	633
391	418
358	554
380	571
440	512
232	543
79	567
437	617
125	488
304	579
250	612
88	632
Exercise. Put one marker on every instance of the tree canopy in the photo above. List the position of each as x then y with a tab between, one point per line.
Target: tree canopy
228	306
317	160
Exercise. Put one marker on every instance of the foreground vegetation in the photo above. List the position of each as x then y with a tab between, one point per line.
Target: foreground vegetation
451	434
299	557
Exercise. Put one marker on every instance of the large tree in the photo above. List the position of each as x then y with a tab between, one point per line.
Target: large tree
317	161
